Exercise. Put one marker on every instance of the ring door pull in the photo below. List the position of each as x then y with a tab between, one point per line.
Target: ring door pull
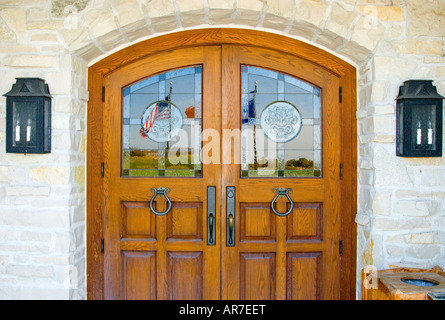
281	192
230	217
211	209
163	193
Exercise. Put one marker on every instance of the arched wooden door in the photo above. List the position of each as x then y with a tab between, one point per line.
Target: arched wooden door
222	176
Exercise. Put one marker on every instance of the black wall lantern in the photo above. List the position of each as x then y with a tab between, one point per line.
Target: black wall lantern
28	117
419	120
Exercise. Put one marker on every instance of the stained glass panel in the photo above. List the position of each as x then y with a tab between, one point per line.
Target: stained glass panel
161	127
281	125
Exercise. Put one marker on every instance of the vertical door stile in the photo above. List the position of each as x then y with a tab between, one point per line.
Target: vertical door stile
230	171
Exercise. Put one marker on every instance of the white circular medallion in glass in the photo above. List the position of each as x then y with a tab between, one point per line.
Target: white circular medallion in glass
281	121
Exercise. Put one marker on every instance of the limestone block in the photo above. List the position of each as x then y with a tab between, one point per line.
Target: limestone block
160	8
354	51
251	5
311	11
60	83
329	39
424	46
381	204
128	11
44	37
420	238
412	208
385	123
384	223
387	68
274	21
79	175
30	271
100	22
395	251
31	61
423	252
367	34
389	169
4	174
23	191
220	11
50	175
190	5
365	197
433	177
283	8
384	13
426	18
45	25
340	20
192	12
303	29
63	141
35	236
6	34
16	19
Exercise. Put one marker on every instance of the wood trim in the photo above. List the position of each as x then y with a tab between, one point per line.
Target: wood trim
219	36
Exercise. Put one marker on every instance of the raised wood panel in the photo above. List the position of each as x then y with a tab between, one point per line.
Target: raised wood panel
257	222
137	220
305	222
184	221
184	278
257	276
139	275
303	276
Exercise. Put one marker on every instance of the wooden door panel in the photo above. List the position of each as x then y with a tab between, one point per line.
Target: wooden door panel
139	275
305	222
257	276
256	222
185	221
185	275
137	222
303	275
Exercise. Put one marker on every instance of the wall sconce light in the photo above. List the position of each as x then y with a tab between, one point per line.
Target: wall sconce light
28	117
419	120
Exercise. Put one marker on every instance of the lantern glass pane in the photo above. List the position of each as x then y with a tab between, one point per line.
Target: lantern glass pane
24	124
423	127
47	126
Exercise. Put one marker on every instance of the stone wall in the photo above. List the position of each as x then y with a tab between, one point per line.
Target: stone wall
401	218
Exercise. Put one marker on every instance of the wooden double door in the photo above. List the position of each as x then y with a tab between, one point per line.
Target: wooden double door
242	201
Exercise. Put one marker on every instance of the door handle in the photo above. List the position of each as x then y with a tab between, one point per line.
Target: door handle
230	216
211	209
281	192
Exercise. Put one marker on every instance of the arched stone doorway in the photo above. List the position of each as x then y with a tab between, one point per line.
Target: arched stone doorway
342	170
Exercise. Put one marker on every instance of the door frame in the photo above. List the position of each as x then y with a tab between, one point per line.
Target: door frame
219	36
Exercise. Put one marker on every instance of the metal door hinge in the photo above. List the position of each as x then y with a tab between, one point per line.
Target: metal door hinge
340	92
102	245
341	170
340	247
103	94
102	169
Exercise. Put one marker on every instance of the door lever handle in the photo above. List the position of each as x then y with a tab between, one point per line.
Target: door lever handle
211	225
211	210
230	216
230	235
